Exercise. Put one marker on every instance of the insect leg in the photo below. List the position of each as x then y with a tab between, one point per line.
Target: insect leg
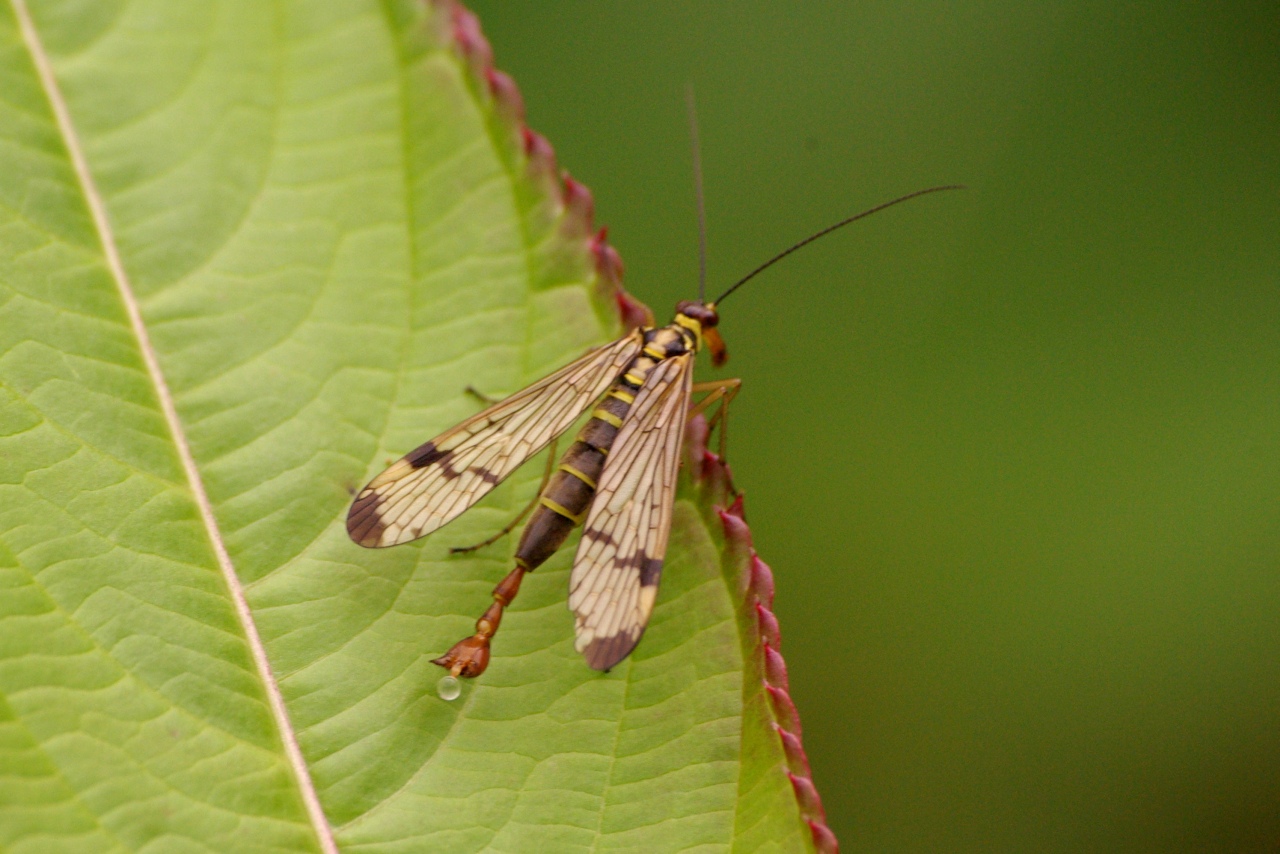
487	400
722	392
480	396
511	526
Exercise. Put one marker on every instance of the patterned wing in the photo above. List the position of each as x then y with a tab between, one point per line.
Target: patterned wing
436	482
615	573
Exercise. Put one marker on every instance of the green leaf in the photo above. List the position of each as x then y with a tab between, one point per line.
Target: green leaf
248	253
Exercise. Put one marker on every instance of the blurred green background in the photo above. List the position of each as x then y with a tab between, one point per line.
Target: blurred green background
1013	452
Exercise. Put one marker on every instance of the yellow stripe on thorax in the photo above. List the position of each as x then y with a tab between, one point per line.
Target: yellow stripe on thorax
692	325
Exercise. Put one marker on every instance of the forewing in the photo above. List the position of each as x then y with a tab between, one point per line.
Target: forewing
615	574
436	482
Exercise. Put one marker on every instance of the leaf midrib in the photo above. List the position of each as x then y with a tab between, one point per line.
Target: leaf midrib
115	265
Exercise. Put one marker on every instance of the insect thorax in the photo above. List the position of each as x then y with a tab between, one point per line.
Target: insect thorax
674	339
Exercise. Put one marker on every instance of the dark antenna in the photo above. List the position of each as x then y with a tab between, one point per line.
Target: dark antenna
697	188
842	223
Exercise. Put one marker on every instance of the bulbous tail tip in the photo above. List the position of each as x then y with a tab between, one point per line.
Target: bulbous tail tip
468	658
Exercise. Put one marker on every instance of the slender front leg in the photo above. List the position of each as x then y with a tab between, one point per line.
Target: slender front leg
722	392
481	396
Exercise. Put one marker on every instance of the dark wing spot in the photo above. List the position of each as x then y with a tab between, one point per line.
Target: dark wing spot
651	572
424	455
364	521
484	474
604	653
632	562
650	569
597	535
445	462
429	454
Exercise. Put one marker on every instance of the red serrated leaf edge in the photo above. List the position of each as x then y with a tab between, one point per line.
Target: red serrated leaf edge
574	207
756	587
460	30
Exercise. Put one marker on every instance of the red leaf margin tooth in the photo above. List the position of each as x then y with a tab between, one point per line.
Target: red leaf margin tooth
797	759
762	581
506	95
581	208
538	150
823	839
784	710
465	33
569	199
770	633
756	584
775	668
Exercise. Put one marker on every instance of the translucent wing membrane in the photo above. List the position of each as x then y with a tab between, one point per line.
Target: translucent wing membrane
436	482
619	562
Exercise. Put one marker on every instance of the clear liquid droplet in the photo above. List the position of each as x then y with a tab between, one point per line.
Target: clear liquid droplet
449	688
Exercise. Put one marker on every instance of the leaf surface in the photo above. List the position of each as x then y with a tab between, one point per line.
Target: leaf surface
249	252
